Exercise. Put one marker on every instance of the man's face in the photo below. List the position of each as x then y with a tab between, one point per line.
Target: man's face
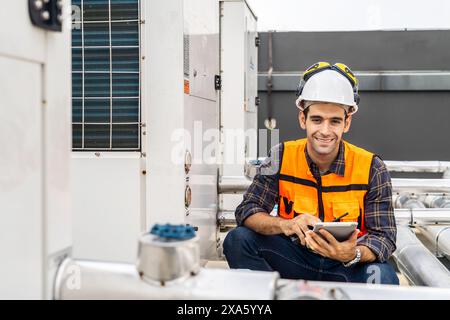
324	127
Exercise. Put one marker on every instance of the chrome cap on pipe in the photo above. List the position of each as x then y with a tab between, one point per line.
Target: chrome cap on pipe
163	258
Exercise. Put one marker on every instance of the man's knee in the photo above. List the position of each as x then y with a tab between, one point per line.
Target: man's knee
381	273
236	238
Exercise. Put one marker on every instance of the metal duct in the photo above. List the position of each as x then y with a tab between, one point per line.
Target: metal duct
417	263
439	236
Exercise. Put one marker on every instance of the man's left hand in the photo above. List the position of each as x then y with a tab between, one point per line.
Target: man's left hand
326	245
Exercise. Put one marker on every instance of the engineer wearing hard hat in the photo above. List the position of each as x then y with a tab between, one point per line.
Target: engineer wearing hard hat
319	178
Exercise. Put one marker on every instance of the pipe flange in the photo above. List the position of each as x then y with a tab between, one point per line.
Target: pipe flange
437	252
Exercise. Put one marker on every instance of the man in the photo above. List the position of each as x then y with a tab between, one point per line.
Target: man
318	179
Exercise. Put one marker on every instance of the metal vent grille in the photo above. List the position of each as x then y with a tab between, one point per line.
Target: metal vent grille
106	75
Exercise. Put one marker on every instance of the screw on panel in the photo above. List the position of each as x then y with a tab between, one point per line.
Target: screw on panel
45	15
38	4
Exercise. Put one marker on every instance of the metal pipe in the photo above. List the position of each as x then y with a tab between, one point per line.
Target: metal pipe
417	263
439	236
233	184
408	201
401	185
437	201
100	280
418	166
422	216
321	290
413	80
239	184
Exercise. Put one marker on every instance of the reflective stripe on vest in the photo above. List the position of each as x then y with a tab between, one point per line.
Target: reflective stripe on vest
332	196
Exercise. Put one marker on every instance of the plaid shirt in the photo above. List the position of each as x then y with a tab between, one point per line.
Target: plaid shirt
262	195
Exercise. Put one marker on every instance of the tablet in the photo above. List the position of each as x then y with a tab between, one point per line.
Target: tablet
340	230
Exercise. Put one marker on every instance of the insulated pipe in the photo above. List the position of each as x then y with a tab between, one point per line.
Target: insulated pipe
322	290
101	280
239	184
417	263
408	201
425	216
233	184
437	202
418	166
401	185
439	236
422	216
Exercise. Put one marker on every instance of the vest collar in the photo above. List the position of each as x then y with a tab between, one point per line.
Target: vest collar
337	166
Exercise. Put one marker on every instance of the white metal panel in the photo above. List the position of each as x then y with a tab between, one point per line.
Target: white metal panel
106	206
21	179
201	25
251	83
35	147
202	117
163	107
57	139
239	79
15	20
251	61
58	133
233	84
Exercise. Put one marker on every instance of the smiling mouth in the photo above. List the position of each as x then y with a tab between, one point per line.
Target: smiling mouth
324	140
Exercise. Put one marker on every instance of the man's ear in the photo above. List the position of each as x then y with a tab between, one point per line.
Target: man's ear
348	122
302	120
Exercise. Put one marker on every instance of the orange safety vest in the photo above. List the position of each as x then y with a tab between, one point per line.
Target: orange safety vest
334	195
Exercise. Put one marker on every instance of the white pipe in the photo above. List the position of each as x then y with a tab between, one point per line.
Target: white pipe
437	201
439	236
422	216
101	280
421	185
234	184
322	290
239	184
417	263
408	201
418	166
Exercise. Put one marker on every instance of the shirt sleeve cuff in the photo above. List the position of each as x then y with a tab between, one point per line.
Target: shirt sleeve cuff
378	248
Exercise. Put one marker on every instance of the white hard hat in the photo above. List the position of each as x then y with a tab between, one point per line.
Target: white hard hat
328	86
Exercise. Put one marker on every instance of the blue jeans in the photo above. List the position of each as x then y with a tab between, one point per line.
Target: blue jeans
247	249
